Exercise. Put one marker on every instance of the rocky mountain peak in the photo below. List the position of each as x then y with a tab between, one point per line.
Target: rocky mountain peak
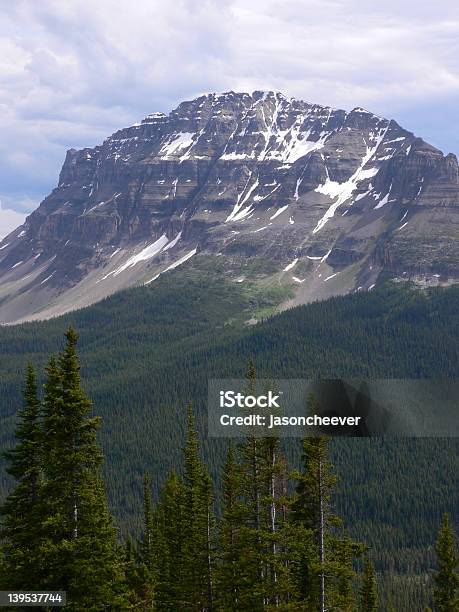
329	201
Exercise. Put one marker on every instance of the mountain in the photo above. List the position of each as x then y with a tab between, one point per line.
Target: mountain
289	195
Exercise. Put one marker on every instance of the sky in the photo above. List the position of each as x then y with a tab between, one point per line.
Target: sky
73	71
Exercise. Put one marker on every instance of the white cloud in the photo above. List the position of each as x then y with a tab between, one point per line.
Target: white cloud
9	220
73	72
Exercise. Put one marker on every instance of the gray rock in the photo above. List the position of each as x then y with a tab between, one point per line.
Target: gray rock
351	196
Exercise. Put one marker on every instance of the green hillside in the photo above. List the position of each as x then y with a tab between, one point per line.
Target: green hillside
147	352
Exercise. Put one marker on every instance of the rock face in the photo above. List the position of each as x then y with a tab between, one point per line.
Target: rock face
334	200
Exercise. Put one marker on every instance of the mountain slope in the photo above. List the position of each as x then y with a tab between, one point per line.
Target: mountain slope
147	352
333	200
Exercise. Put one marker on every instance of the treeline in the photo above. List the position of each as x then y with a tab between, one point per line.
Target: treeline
276	544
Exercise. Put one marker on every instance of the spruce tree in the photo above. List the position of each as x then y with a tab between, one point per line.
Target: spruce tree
368	589
254	521
169	530
273	471
312	511
321	556
79	553
146	570
134	584
147	544
231	578
261	481
446	591
343	552
198	526
20	527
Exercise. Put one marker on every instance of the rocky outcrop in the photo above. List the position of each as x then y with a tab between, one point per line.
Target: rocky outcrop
238	175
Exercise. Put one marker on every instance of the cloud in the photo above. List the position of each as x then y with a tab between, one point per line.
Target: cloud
9	220
72	73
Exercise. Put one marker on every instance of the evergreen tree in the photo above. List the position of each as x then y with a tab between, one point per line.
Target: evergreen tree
446	592
147	546
274	535
255	518
311	509
321	558
169	529
368	589
146	570
251	453
344	551
79	553
231	577
208	500
134	584
20	525
198	528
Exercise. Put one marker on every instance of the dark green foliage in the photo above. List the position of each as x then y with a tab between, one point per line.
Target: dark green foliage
62	519
147	546
323	563
20	512
134	344
270	551
230	574
79	553
368	589
446	592
169	520
198	527
144	576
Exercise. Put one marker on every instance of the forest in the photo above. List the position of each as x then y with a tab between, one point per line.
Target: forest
151	351
276	544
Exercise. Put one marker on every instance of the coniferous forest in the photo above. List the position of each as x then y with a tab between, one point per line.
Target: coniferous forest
276	544
199	524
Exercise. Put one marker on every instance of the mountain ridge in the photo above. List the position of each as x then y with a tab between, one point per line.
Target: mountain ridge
331	201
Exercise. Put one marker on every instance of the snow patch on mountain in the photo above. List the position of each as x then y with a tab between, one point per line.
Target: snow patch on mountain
290	265
176	143
147	253
341	192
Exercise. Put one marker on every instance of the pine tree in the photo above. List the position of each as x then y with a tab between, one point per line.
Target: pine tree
311	509
147	554
321	556
251	453
198	526
208	500
79	554
169	529
446	592
20	528
231	577
343	552
147	548
273	527
368	589
260	481
134	584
